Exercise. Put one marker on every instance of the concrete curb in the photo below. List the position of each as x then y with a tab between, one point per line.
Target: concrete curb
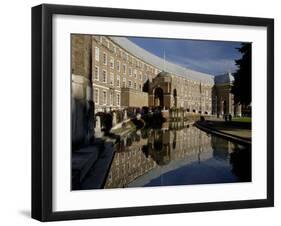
227	136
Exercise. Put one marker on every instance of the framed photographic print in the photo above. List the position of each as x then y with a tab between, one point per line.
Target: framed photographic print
146	112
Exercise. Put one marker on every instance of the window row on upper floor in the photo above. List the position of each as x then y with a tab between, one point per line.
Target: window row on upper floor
134	73
122	55
115	81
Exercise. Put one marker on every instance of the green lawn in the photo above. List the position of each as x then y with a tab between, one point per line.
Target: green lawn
242	119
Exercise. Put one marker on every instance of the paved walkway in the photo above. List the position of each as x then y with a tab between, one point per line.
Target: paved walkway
90	164
240	129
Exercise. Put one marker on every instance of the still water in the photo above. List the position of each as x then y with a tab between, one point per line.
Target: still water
174	155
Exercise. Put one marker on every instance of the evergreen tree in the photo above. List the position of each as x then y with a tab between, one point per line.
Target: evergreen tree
242	87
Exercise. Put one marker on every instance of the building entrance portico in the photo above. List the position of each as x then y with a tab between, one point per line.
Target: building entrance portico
158	97
160	92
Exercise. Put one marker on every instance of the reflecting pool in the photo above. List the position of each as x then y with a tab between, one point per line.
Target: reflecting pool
176	155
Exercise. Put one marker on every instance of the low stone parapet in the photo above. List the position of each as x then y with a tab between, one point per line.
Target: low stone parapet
204	126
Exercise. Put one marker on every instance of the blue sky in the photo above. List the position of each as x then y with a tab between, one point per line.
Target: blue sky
213	57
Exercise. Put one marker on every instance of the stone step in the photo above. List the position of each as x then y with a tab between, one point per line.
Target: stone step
97	175
82	161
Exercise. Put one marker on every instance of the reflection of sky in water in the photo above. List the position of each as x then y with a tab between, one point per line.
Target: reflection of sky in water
206	172
177	157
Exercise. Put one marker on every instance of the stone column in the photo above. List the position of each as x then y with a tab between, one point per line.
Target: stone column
114	119
238	111
222	108
98	132
230	104
81	53
125	117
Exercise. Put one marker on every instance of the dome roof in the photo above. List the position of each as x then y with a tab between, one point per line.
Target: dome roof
224	79
164	74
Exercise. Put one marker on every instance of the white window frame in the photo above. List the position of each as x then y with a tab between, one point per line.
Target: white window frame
140	76
111	79
98	93
126	56
129	84
135	85
118	80
104	100
118	66
103	76
145	77
96	74
112	62
135	73
124	81
123	55
118	99
124	67
130	71
111	98
97	54
104	60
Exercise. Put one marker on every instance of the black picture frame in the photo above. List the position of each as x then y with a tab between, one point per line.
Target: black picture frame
42	111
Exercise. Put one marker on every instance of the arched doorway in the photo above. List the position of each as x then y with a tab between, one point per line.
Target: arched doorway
175	97
158	97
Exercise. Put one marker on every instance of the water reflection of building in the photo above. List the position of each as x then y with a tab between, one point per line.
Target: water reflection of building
157	148
239	157
129	162
223	147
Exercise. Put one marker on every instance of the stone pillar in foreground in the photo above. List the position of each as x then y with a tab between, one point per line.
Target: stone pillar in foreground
125	117
98	132
114	119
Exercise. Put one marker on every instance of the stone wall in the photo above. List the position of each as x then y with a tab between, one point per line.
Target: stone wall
133	98
81	104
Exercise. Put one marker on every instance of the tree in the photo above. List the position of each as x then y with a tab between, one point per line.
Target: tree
242	87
